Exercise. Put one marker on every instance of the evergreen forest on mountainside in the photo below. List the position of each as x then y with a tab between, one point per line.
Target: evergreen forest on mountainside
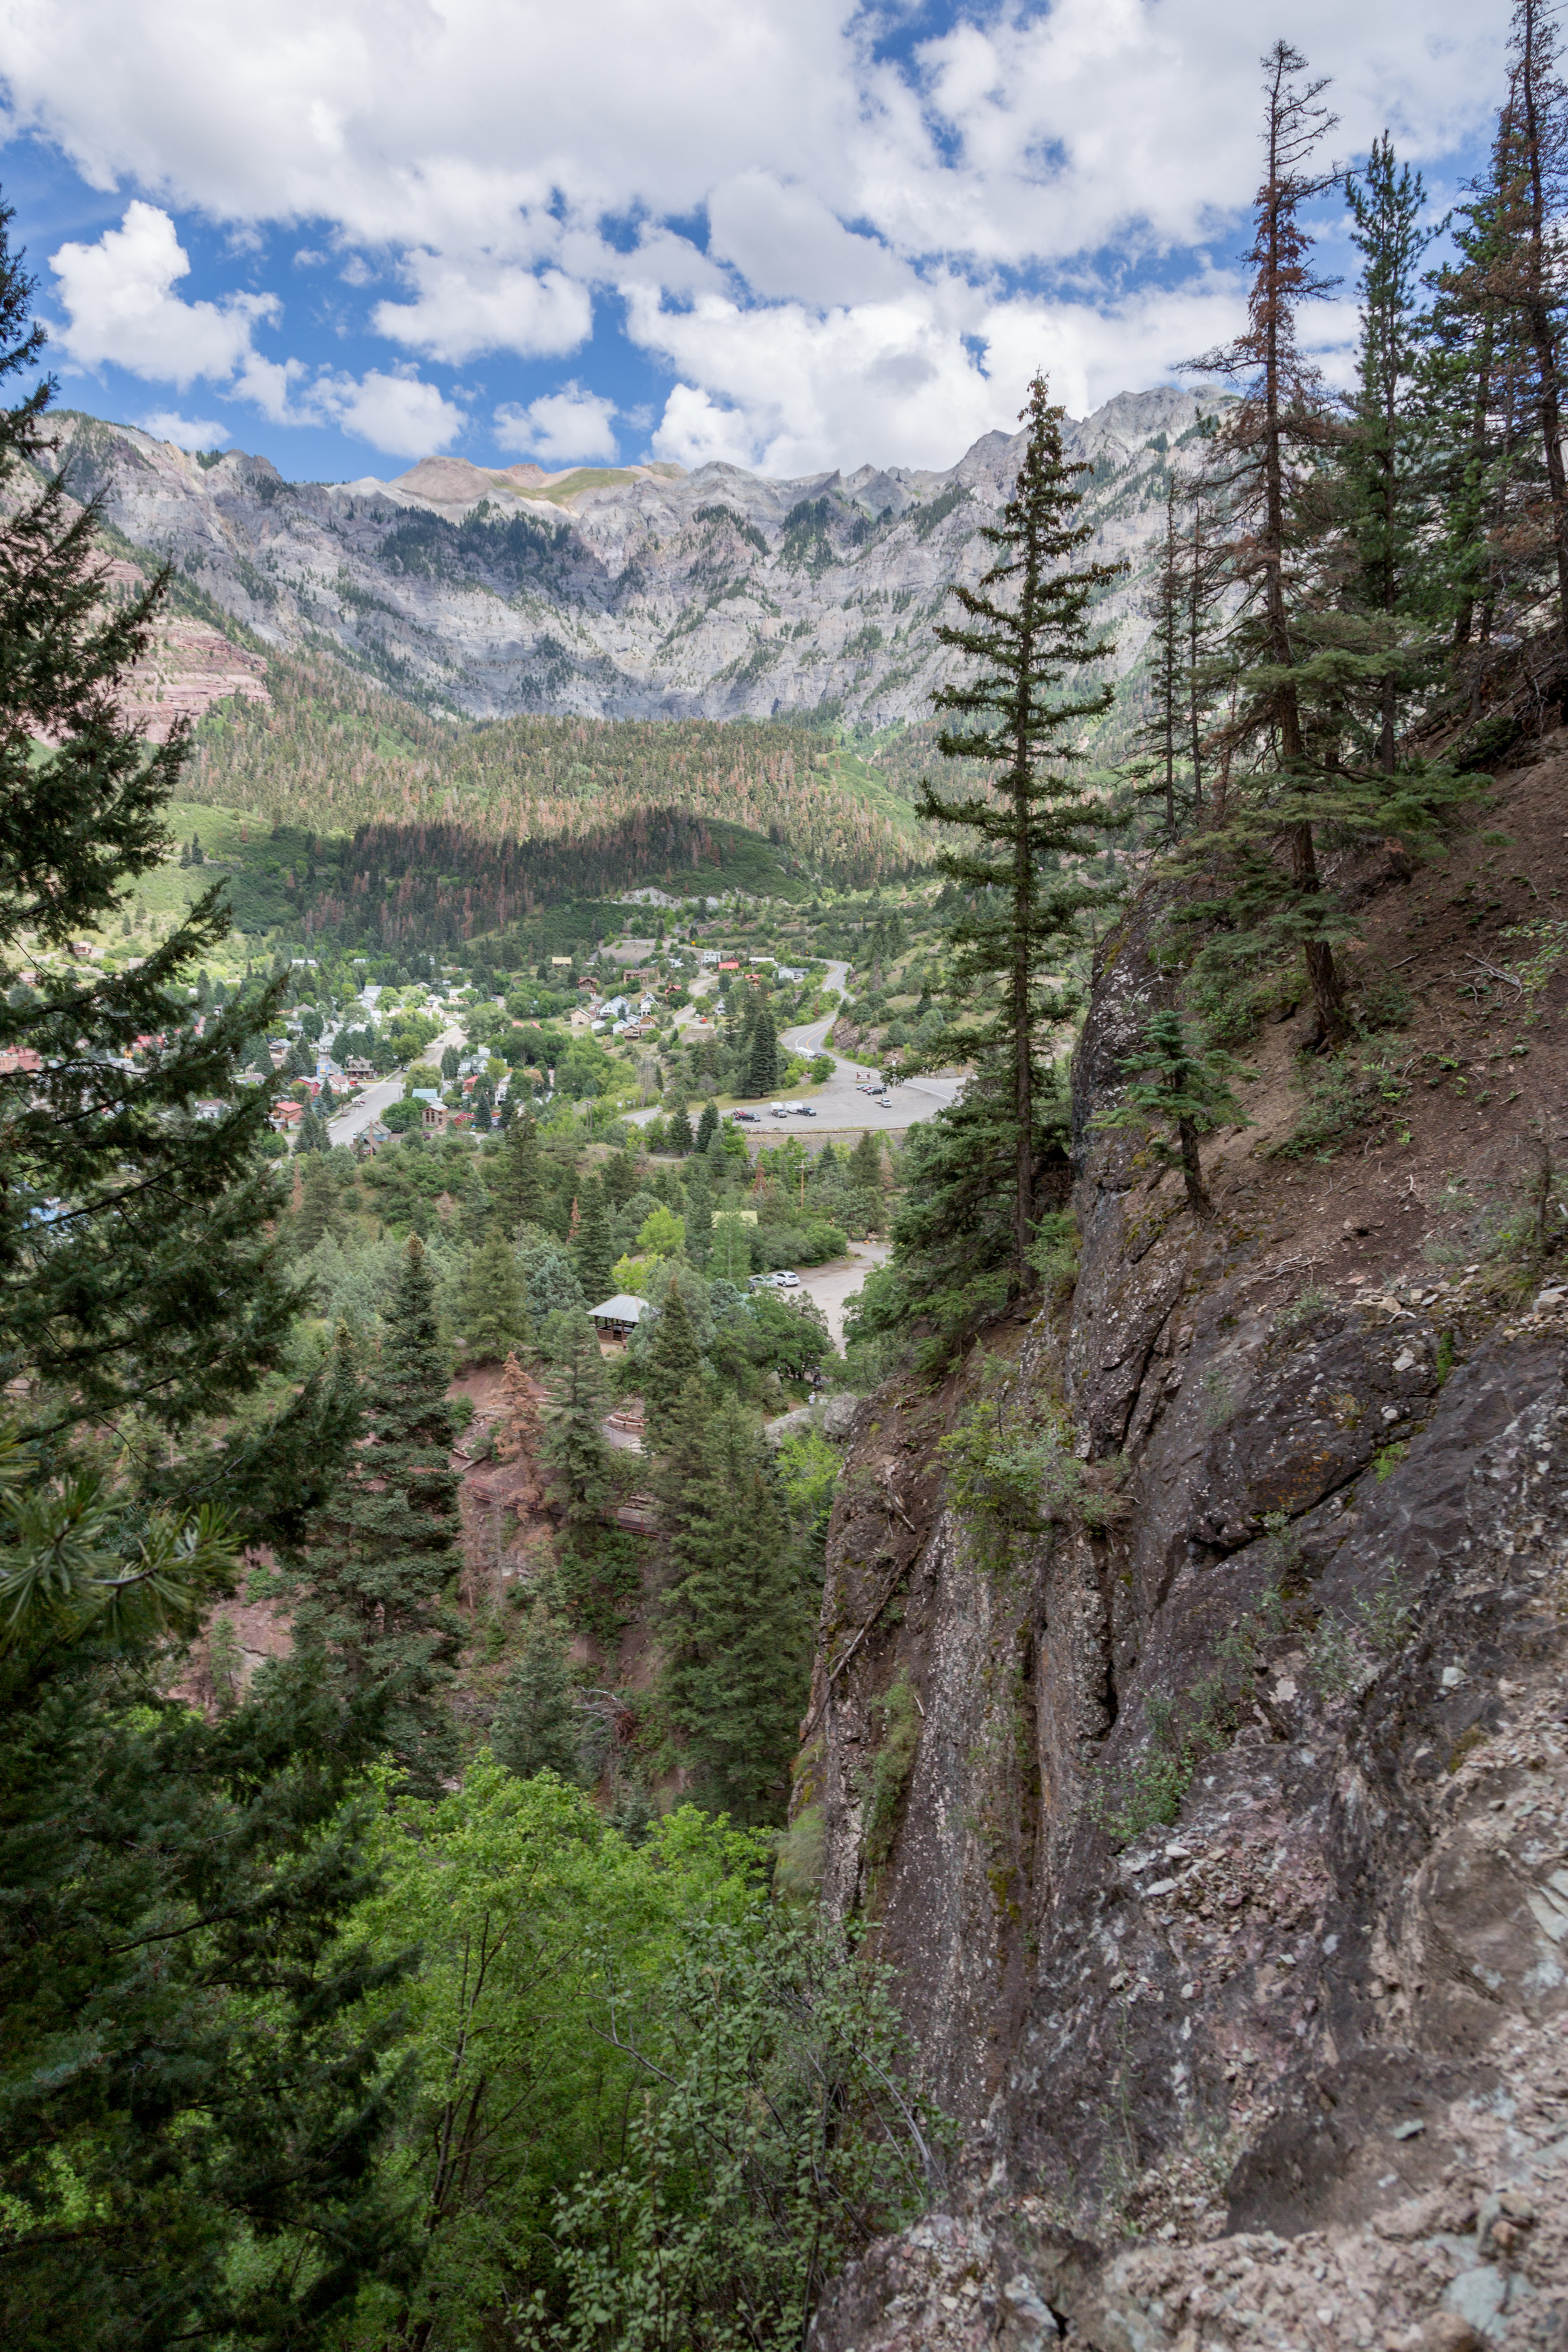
413	1801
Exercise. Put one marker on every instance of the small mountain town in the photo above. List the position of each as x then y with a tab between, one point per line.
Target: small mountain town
784	1215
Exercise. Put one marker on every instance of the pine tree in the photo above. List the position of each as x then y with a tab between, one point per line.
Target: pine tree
192	2093
478	1211
1493	374
319	1214
1162	735
1266	450
762	1062
679	1131
1308	673
593	1249
865	1164
735	1623
707	1126
492	1307
672	1362
521	1431
518	1186
1027	636
698	1213
1385	470
536	1726
1183	1084
385	1548
1533	278
312	1135
574	1446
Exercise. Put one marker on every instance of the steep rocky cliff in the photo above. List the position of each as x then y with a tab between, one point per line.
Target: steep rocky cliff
642	593
1214	1814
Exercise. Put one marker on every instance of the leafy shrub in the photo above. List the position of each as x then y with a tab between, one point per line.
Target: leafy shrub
1354	1092
888	1776
1012	1472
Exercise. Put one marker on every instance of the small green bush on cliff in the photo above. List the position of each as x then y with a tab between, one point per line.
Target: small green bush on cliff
1012	1472
889	1772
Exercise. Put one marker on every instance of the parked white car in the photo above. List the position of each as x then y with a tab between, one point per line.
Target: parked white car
786	1281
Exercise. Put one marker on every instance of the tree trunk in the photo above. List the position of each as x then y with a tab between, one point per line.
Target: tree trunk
1538	314
1198	1201
1022	1043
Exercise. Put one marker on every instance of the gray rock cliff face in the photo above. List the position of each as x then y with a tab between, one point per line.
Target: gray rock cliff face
638	593
1285	2066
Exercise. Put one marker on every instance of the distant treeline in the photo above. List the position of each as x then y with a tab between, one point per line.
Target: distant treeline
436	885
331	752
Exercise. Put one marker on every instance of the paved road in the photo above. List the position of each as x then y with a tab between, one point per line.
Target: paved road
385	1093
839	1104
834	1286
367	1106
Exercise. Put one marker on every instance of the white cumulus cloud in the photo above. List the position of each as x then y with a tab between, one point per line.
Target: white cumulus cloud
185	432
566	427
394	413
121	305
839	253
470	306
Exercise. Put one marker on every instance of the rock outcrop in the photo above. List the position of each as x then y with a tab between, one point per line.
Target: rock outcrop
1227	1894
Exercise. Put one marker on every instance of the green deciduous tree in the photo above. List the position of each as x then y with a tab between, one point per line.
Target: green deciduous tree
571	1981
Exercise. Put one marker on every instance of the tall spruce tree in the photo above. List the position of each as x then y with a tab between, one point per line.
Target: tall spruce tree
672	1360
1383	464
492	1304
520	1188
193	2106
1027	640
1308	661
1533	272
319	1214
573	1446
698	1213
1267	449
762	1062
593	1249
1165	736
736	1619
380	1557
535	1729
1494	375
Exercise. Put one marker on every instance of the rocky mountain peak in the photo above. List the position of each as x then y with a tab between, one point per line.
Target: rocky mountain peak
623	591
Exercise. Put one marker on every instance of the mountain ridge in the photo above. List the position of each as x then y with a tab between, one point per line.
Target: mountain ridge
621	592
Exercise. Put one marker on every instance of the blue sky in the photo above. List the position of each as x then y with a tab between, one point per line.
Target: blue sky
791	234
